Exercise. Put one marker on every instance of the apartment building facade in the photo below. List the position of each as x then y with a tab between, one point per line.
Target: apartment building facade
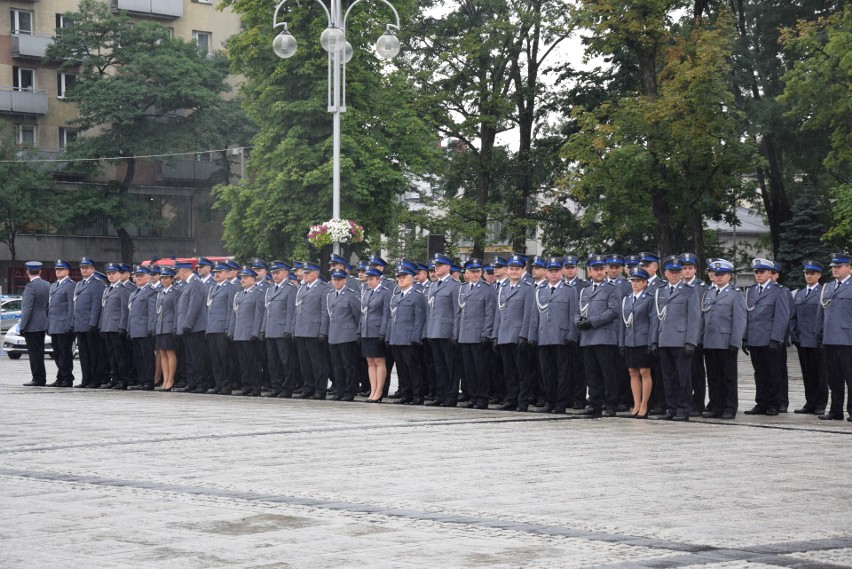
32	107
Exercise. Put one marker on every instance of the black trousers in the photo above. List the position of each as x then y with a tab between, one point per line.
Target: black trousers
783	380
127	345
35	352
248	353
63	352
475	363
429	383
767	365
313	361
389	361
699	389
344	361
219	347
838	359
180	369
576	375
657	401
498	384
103	363
89	346
602	376
195	348
280	357
516	373
234	379
814	378
444	357
536	392
143	358
409	370
722	380
553	361
677	380
625	393
119	366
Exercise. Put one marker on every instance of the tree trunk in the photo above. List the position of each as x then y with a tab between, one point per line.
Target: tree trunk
127	246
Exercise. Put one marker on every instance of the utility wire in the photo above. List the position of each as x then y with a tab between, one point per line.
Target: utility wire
39	160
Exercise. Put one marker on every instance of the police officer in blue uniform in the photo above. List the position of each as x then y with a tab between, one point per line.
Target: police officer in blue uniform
192	327
699	377
474	330
60	325
340	317
115	306
279	322
375	304
597	320
88	293
405	329
634	339
220	310
768	321
33	323
311	346
576	367
675	336
244	329
141	321
441	315
204	267
724	320
834	331
515	305
803	330
552	331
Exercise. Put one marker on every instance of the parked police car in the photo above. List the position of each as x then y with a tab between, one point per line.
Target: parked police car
10	311
15	345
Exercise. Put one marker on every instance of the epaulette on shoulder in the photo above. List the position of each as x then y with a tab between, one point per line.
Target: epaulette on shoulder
350	289
418	291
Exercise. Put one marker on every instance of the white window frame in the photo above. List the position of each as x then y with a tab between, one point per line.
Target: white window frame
66	135
18	76
62	83
198	33
16	21
63	22
19	135
210	2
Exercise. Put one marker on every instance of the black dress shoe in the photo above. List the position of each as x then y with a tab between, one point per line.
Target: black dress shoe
212	391
318	396
849	418
711	415
56	383
547	408
782	409
449	404
395	395
819	411
80	385
680	418
729	415
522	408
120	387
93	386
771	411
347	398
254	393
141	388
540	402
608	413
225	392
464	399
622	407
558	411
666	417
418	401
470	405
494	400
166	389
363	394
200	389
508	407
804	410
695	414
657	412
831	417
285	395
435	403
756	410
403	401
33	384
108	385
591	412
578	406
481	406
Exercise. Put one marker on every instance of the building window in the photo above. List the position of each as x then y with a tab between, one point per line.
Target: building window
64	81
171	32
66	137
23	79
22	22
202	40
63	22
203	1
25	135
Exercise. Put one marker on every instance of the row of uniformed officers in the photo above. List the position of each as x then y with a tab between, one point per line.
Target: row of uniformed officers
598	346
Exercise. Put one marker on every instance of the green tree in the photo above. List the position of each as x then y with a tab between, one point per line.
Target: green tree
818	90
803	237
139	92
28	196
288	183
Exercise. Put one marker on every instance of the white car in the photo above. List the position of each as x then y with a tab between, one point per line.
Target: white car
15	345
10	311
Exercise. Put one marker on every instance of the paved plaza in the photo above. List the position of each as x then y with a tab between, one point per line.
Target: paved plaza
147	479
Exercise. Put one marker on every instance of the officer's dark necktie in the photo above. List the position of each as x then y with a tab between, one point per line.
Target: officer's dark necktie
836	285
671	289
594	288
718	290
759	290
552	290
807	292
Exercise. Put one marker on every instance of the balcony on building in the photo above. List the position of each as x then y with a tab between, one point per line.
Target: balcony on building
152	8
31	102
49	160
32	46
190	171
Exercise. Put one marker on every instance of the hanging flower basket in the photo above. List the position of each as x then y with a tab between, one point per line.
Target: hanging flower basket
335	231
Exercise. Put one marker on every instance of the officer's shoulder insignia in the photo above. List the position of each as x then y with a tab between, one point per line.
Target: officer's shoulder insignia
417	291
702	284
350	289
609	283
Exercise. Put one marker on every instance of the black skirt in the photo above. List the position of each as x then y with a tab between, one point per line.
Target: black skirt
372	348
165	342
637	358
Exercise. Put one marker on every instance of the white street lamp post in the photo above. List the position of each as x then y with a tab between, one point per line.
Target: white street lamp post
333	40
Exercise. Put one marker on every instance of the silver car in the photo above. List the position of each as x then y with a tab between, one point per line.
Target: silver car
15	345
10	311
